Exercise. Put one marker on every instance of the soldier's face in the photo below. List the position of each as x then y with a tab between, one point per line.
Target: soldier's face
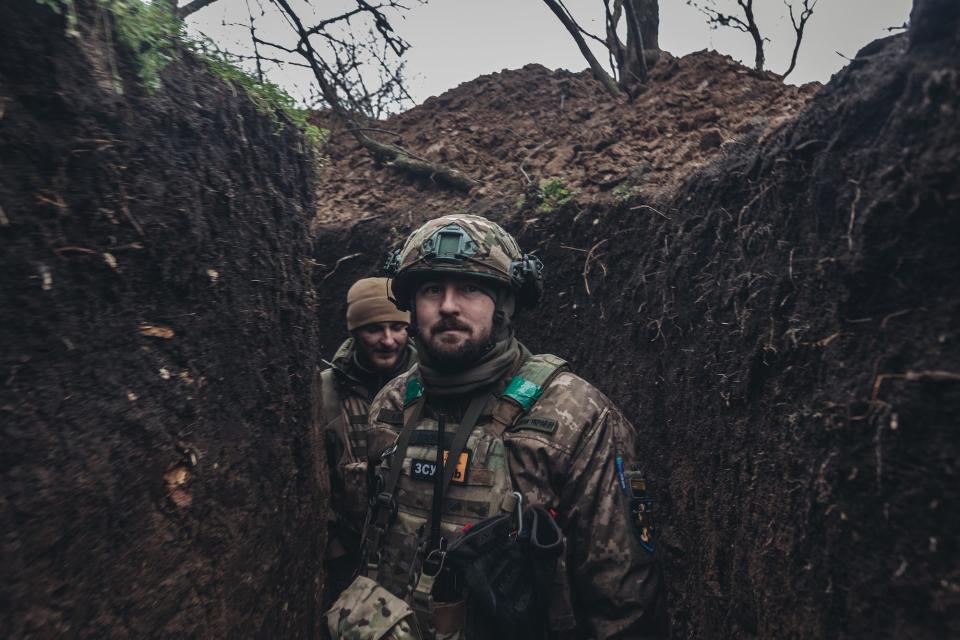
454	320
381	344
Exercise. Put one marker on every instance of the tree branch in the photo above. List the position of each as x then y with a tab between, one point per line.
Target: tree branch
574	29
192	7
388	154
798	26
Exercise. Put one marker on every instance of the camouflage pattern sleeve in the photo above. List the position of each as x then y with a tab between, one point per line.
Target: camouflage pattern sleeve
574	451
386	415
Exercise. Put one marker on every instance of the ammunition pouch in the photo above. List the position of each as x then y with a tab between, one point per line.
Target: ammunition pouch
507	572
367	611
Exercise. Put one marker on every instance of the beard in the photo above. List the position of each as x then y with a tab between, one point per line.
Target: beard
454	359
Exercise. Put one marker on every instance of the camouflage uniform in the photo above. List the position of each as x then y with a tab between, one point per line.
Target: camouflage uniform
345	391
368	606
559	442
561	454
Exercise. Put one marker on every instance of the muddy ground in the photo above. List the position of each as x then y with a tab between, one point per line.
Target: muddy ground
157	338
782	329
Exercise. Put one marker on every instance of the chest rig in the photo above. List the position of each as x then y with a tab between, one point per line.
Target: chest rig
351	411
476	480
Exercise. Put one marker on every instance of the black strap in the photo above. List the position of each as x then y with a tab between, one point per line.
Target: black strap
463	434
402	443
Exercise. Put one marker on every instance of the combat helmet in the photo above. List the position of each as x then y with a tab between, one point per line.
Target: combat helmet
466	245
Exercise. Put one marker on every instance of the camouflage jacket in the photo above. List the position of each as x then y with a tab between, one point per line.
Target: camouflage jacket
345	392
572	452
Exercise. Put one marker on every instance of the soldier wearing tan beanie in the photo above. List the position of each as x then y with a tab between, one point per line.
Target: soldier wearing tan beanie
376	352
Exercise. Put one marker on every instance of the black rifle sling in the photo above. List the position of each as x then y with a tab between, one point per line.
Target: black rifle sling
463	434
403	441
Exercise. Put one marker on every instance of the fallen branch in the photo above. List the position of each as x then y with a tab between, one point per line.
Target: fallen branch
914	376
589	260
339	262
646	206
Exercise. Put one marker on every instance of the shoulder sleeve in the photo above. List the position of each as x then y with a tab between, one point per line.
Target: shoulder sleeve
567	457
386	414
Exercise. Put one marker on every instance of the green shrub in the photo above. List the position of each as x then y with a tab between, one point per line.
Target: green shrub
269	98
553	193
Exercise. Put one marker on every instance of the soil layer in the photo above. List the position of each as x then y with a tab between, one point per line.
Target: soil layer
158	338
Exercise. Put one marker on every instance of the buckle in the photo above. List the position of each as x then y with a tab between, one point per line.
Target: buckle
385	499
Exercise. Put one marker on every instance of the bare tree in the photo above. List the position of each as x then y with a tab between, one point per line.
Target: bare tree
191	7
356	62
333	80
630	60
806	10
746	21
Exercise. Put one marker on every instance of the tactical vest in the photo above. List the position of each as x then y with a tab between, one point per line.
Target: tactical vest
480	487
351	412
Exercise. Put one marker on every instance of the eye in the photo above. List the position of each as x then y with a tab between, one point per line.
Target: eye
429	288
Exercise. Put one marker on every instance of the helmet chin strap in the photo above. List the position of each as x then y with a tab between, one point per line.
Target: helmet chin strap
505	304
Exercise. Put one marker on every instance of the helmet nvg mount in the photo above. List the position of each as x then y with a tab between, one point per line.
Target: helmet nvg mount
464	245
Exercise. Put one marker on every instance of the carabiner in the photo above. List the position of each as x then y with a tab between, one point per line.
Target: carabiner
519	512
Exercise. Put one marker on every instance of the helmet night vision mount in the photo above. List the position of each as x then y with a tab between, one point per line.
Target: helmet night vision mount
489	253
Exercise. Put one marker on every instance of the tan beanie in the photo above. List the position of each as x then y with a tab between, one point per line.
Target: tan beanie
367	302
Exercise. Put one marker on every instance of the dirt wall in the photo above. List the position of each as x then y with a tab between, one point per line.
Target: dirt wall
157	329
783	332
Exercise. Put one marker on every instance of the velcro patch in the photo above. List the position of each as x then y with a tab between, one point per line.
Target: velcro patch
544	425
641	514
634	490
427	469
389	416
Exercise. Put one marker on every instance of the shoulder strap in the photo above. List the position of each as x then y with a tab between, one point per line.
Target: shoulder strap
329	396
525	388
463	434
412	410
383	504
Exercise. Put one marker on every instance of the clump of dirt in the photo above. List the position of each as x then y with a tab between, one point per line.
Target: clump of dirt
158	340
781	328
514	129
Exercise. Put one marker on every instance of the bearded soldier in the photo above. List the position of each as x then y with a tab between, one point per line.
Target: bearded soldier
377	351
511	502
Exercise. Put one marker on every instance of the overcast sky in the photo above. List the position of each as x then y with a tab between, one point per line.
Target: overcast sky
454	41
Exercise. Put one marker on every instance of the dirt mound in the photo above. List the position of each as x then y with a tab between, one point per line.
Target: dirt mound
157	335
516	128
782	329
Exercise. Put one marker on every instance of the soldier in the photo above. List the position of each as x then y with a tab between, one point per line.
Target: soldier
377	351
517	430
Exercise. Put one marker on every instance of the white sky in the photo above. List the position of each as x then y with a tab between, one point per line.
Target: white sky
454	41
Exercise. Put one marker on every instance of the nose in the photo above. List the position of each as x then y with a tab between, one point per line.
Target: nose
389	338
449	305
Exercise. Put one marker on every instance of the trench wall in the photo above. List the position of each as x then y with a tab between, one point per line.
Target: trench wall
158	335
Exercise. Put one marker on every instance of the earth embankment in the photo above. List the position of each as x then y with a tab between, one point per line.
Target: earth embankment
158	338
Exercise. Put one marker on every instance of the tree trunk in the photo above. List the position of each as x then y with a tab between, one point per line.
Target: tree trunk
642	49
598	71
648	14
